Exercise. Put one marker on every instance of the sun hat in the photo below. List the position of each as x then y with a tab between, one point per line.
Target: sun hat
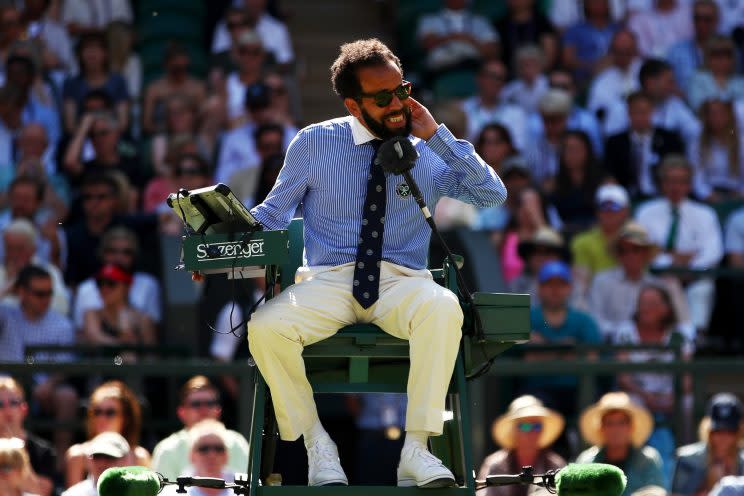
523	407
590	422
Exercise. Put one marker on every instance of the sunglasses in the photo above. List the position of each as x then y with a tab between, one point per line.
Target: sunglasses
15	403
206	448
249	51
383	97
200	403
631	249
100	132
105	412
107	283
100	457
529	426
703	18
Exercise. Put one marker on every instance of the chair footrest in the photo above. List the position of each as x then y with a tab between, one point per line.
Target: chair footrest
358	491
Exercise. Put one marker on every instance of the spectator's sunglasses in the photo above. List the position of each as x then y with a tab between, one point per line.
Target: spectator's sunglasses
12	403
529	426
383	97
206	448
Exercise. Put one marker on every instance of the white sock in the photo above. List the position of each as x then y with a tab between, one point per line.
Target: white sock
421	437
314	432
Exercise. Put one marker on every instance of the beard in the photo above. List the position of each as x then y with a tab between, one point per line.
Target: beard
379	128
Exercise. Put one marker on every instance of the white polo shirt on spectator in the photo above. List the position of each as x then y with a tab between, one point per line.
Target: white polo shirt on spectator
657	31
510	116
274	36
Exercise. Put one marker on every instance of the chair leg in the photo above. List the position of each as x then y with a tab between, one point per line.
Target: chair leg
270	436
256	437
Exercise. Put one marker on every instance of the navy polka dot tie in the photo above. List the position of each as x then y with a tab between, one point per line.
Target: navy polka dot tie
369	251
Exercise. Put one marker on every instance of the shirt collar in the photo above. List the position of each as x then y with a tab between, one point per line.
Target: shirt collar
360	133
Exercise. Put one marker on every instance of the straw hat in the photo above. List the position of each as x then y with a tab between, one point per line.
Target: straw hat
523	407
543	237
590	422
634	233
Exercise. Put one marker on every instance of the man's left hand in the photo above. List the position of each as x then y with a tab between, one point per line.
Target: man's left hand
423	124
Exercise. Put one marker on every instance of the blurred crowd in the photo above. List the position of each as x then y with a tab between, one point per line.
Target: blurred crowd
613	123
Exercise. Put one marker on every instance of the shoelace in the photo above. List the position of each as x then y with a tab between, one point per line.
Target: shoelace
425	455
324	454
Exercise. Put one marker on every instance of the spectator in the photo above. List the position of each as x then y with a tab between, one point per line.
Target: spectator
542	154
530	213
104	451
516	176
686	56
555	321
182	120
614	83
655	323
111	152
657	29
273	32
524	25
117	323
591	249
57	47
524	433
101	210
282	108
586	43
95	73
35	323
120	246
494	145
199	400
717	78
670	111
26	195
175	81
224	61
113	412
12	30
250	56
617	428
531	84
455	38
579	119
238	150
579	175
613	296
269	139
701	465
16	469
22	70
191	172
121	37
20	242
11	121
546	245
487	107
730	485
33	159
718	154
41	454
688	233
83	17
632	156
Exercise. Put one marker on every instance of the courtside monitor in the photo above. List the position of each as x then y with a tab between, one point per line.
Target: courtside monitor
211	210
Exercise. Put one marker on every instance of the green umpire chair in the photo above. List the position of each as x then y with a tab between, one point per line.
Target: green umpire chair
363	359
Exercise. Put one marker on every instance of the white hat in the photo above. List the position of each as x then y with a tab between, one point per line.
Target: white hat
110	444
612	195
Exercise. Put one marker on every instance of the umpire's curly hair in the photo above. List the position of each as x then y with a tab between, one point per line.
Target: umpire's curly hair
360	53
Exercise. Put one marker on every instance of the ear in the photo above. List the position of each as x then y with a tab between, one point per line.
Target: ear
353	107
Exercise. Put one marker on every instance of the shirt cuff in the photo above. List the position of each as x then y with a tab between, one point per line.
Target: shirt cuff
441	142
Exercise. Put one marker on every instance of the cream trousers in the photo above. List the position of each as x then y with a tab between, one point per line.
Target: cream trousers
411	306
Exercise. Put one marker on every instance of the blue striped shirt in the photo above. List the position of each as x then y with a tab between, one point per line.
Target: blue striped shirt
326	170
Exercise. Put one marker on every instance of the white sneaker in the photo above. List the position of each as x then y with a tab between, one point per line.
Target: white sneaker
418	467
323	465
